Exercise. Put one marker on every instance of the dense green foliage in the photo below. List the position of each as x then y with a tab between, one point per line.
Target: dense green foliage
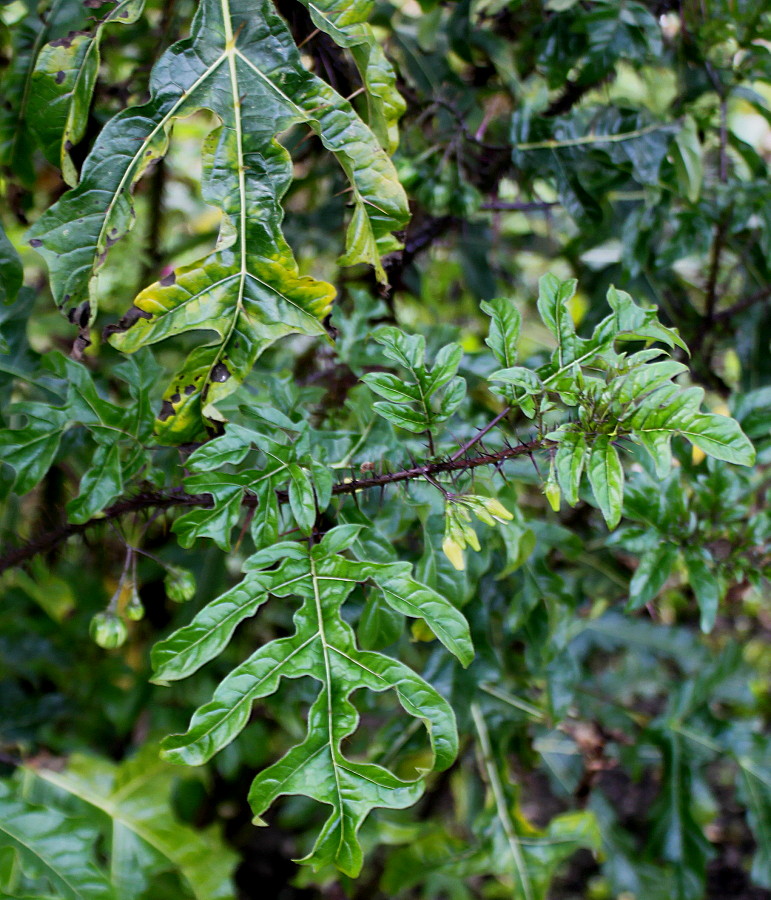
395	477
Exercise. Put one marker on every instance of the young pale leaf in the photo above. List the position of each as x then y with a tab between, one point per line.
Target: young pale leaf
607	479
505	323
569	464
553	297
323	647
248	291
54	847
302	500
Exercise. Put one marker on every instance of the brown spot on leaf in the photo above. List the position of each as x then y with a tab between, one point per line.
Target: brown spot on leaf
79	315
133	315
175	398
67	40
81	342
166	411
60	76
220	372
189	389
168	279
35	242
68	145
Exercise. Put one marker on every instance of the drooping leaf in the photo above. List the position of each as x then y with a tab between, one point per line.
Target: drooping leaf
347	24
62	86
607	479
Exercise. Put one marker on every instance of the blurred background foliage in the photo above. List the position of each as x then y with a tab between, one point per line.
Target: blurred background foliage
627	752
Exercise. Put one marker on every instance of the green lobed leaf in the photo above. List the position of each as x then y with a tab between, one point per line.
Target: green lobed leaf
346	23
144	835
323	647
31	450
241	63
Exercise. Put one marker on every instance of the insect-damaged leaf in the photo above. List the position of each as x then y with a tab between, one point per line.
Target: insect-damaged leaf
242	64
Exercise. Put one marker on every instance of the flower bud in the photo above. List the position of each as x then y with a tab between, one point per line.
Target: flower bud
454	552
553	494
179	584
108	631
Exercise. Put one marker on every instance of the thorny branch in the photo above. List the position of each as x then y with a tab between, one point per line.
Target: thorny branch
177	497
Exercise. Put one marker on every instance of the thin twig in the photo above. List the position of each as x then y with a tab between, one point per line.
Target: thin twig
501	806
520	205
461	451
757	297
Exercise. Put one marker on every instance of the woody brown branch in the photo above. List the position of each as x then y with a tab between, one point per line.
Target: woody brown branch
178	498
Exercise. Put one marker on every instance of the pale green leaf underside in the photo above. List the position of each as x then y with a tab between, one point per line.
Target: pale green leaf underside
54	847
136	797
242	64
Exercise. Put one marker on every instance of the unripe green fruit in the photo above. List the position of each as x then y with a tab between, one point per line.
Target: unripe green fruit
134	609
179	584
108	631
